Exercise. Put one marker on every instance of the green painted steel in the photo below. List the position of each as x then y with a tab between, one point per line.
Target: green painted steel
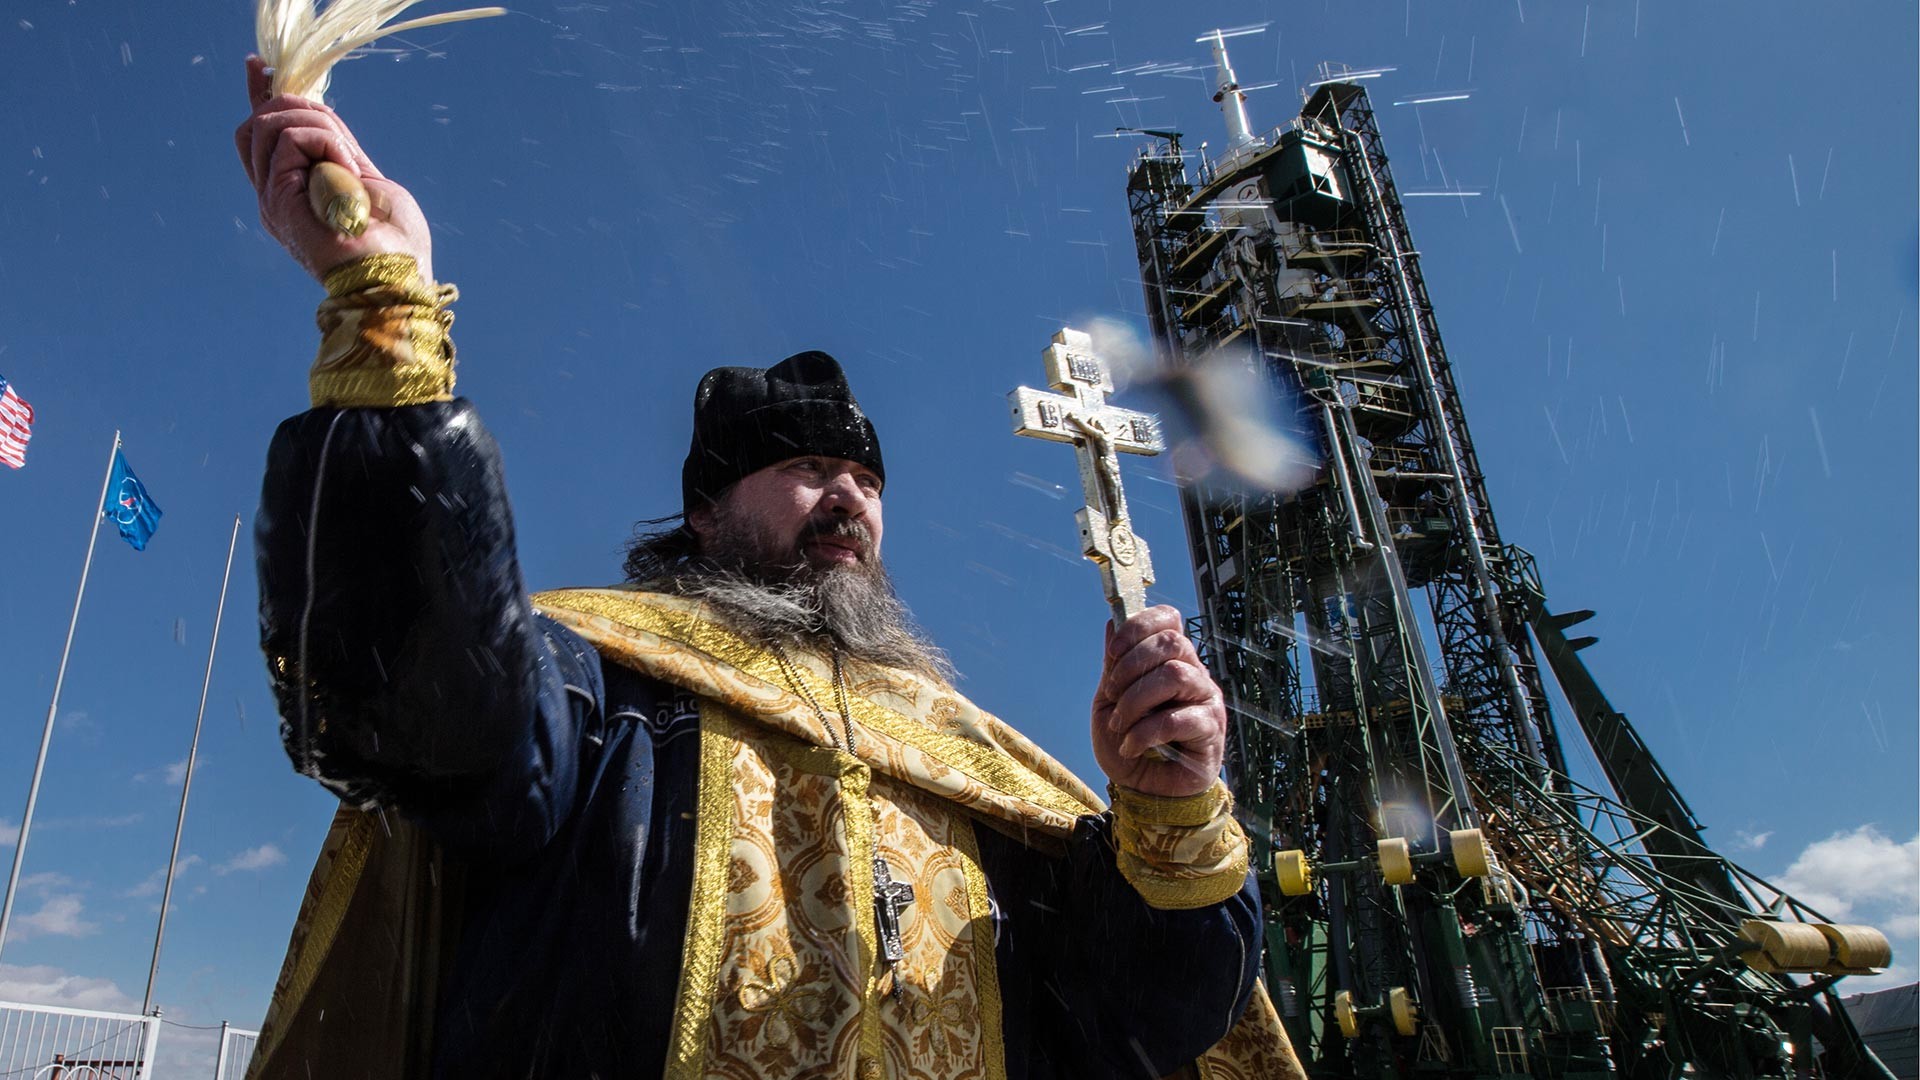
1375	637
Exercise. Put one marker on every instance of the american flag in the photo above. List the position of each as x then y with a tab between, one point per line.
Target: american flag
16	426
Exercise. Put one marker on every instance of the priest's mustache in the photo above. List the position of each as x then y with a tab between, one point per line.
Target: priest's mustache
840	528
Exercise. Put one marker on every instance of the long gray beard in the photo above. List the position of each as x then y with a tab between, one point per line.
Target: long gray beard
799	603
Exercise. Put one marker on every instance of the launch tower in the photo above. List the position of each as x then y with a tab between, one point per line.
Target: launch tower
1442	897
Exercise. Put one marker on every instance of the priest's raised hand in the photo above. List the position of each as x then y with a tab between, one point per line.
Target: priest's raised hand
1155	692
279	142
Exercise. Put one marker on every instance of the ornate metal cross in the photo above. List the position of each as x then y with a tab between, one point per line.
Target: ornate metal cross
1100	433
889	896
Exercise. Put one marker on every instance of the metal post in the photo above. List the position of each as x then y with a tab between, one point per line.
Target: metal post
1233	103
1465	809
1524	724
193	752
143	1069
46	733
220	1059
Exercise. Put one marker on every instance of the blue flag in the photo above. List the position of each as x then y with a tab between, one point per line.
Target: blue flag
129	506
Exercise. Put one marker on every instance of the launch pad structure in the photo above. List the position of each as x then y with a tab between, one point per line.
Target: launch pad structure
1442	897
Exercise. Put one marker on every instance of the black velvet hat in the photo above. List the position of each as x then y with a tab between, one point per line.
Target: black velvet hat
745	419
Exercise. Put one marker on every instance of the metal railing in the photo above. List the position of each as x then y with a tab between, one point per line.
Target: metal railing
52	1042
236	1052
55	1043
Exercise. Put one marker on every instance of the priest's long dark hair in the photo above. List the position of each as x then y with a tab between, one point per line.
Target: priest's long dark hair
662	548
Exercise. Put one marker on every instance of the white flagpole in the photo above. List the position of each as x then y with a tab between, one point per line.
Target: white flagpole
186	783
46	734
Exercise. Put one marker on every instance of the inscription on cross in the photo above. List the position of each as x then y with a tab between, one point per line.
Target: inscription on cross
1100	433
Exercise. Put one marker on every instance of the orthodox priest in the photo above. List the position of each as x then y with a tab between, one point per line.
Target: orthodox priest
730	819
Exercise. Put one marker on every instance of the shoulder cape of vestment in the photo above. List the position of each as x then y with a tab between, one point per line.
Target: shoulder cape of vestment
906	726
375	924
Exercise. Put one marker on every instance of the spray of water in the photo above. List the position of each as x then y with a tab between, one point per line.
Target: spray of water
1228	424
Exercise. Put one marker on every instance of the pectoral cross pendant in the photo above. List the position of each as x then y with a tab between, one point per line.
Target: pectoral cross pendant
889	897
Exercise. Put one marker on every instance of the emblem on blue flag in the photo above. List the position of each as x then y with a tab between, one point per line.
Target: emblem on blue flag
129	506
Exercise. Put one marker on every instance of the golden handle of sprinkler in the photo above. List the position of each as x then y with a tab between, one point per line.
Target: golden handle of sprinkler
339	198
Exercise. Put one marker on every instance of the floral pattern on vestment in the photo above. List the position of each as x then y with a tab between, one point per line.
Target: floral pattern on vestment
781	975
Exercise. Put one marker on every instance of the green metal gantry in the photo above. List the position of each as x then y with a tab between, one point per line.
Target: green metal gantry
1443	899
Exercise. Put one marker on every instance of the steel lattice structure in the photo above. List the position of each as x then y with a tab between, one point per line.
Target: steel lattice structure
1443	899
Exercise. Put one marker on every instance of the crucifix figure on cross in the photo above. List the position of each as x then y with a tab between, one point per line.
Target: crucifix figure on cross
889	898
1100	433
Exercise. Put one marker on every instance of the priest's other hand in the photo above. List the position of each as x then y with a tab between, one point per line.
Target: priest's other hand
279	142
1154	691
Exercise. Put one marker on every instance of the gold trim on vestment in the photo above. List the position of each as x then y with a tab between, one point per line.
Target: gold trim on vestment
1257	1047
781	972
331	910
382	268
1181	894
986	959
384	336
1180	852
330	891
413	384
861	845
700	956
1183	810
669	639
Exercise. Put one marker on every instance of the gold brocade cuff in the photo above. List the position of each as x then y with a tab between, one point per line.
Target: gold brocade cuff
1180	853
384	336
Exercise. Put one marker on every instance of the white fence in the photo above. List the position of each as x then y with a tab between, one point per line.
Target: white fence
236	1052
47	1042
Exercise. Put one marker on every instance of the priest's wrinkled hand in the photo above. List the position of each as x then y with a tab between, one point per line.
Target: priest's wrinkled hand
1154	691
282	139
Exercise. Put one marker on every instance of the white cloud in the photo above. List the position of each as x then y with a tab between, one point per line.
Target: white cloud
61	912
254	858
1752	841
1851	873
181	1050
117	821
1896	974
154	882
1864	876
10	832
60	915
171	774
43	984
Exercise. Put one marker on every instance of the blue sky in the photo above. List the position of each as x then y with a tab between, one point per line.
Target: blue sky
1682	314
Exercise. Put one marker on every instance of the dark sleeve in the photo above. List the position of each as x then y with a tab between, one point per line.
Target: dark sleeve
409	667
1136	990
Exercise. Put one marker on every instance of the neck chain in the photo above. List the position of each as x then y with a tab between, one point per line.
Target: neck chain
839	694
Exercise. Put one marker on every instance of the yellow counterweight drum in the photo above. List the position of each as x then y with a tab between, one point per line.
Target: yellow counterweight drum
1469	852
1344	1015
1785	946
1294	875
1857	950
1402	1009
1396	862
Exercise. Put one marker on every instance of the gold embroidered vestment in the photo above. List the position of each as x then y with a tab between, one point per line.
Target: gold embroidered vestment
780	971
